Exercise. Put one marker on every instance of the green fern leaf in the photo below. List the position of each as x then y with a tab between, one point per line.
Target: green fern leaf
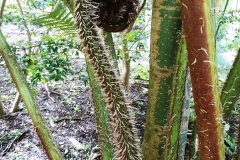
60	18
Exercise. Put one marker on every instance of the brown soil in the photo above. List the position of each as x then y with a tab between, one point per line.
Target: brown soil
69	113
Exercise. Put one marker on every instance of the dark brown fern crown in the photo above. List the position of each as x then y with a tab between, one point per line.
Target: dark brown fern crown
115	15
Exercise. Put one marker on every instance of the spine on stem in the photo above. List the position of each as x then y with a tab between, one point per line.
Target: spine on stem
96	52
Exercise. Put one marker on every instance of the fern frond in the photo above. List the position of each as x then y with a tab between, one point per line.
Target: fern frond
60	18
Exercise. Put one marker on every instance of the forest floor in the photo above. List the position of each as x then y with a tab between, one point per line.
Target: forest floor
69	113
66	106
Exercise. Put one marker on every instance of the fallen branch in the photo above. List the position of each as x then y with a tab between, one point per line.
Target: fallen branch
66	118
55	92
48	93
11	143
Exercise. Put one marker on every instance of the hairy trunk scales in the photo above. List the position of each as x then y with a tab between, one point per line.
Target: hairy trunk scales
199	34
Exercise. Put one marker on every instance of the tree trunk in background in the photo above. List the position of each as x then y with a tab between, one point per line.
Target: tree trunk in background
199	33
165	36
2	112
126	65
16	102
2	5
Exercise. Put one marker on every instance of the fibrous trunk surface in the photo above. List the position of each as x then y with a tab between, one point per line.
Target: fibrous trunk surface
165	36
199	34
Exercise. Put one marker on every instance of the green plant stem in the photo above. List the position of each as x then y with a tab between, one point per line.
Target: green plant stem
109	42
18	97
126	66
165	36
101	114
2	9
220	23
126	62
2	112
16	102
39	122
176	105
231	89
26	27
184	119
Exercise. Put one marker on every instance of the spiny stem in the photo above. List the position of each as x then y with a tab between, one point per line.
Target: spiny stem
120	112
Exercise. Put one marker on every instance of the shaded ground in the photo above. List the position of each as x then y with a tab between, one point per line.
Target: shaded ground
69	113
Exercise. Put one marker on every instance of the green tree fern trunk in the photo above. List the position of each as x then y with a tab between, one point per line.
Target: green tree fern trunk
165	36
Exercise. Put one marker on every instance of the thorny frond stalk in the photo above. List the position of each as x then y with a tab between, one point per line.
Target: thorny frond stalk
120	112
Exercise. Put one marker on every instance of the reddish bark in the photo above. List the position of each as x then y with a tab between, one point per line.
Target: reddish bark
199	33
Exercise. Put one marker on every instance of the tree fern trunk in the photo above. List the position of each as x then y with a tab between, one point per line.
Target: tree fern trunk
199	33
165	36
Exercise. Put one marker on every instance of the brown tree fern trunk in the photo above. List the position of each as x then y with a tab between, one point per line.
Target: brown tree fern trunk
199	34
